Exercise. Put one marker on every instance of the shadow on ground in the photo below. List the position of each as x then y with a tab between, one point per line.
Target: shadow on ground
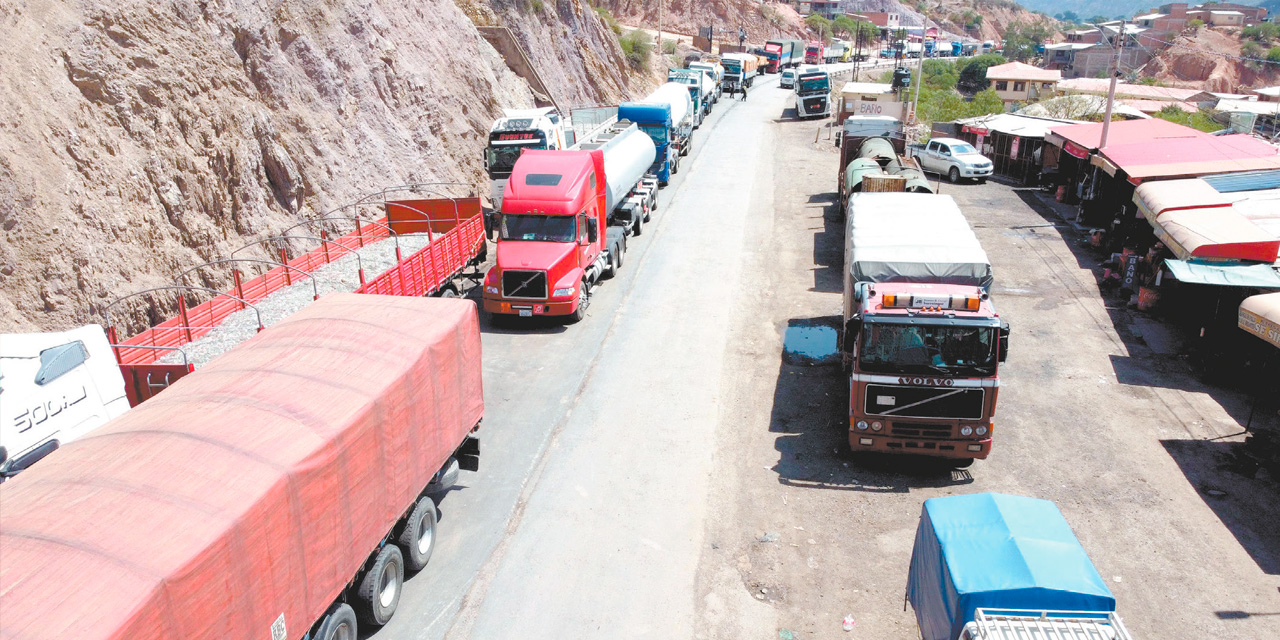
1249	507
810	416
828	245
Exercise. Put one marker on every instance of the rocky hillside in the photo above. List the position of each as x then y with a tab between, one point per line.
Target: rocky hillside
977	19
1208	59
140	137
763	20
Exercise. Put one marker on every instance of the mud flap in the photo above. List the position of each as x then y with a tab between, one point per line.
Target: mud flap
469	454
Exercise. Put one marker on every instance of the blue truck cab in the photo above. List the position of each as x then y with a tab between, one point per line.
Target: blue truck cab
655	120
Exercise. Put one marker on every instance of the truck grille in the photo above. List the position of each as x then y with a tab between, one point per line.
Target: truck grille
524	284
919	430
814	105
924	402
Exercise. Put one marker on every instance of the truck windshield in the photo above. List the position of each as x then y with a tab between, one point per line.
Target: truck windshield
812	51
732	66
657	132
962	149
502	156
814	85
921	348
539	228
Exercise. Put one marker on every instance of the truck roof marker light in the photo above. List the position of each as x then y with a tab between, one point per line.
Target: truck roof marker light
965	303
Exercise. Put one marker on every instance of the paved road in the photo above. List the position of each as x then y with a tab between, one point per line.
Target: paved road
614	374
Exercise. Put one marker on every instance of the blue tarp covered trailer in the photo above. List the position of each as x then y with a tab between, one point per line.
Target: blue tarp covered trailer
997	551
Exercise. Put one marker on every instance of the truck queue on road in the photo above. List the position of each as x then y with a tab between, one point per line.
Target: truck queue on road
335	403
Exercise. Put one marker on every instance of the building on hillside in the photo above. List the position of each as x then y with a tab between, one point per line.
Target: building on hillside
1166	23
1017	82
1088	35
1268	94
1062	56
1263	118
1217	18
828	9
1124	90
1252	14
884	19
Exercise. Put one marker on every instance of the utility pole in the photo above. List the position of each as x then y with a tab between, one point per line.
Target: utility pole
661	3
1111	93
915	102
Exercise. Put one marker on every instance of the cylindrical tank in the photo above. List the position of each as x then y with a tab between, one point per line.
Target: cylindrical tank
626	159
676	95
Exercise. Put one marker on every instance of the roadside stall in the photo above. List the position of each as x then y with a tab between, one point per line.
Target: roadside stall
1015	143
1260	317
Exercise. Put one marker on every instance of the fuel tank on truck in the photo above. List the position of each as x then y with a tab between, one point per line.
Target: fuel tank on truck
676	95
628	154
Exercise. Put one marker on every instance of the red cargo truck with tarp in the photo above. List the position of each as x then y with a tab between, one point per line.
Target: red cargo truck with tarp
274	493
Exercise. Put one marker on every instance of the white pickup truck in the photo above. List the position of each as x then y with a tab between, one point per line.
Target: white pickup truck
953	158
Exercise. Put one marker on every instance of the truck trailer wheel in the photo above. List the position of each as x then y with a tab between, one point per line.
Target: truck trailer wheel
338	624
379	592
418	539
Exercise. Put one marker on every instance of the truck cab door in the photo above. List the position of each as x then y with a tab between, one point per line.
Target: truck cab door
585	247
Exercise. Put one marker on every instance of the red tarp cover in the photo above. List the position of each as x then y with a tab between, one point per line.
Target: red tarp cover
251	489
1124	132
1173	158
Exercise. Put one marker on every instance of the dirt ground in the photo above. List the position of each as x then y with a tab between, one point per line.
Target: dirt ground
1097	412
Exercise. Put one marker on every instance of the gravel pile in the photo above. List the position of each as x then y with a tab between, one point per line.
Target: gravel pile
339	275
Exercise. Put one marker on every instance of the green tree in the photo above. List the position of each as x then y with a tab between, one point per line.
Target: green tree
1022	41
1069	17
820	26
637	46
1198	120
973	77
985	102
844	25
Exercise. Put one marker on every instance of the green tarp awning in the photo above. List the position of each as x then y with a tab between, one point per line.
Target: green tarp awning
1262	276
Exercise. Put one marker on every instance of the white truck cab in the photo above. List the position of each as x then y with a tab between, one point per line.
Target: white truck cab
513	133
54	387
954	159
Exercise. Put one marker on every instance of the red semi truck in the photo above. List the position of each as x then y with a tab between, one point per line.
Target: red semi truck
815	53
275	493
564	222
921	338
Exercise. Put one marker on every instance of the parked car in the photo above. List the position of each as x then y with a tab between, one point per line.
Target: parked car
953	158
788	79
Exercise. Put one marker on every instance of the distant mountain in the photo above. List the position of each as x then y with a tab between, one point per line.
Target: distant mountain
1116	8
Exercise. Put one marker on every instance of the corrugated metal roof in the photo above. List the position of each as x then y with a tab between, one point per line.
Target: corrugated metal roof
1244	181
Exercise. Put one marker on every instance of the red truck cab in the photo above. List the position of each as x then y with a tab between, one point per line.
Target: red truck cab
924	370
814	53
551	240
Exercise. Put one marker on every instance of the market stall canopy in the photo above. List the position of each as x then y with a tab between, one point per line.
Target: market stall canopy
1232	216
1258	276
997	551
1260	315
1215	233
1013	124
1187	157
1081	139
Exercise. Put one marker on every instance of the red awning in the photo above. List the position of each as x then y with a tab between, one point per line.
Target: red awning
1190	157
1215	234
1087	136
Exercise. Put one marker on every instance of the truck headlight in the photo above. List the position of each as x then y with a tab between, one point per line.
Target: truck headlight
488	288
563	293
876	426
861	425
966	430
982	431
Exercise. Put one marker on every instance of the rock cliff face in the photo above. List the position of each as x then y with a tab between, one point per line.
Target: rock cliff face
762	20
140	137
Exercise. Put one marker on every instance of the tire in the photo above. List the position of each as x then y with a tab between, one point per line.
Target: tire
982	180
418	538
584	300
953	175
338	624
963	464
447	291
446	479
611	269
622	250
379	591
637	225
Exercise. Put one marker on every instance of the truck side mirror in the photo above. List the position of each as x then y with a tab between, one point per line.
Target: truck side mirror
852	327
1004	340
593	230
13	466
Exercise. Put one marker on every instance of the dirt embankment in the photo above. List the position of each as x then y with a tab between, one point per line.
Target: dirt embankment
1199	60
139	138
762	20
977	19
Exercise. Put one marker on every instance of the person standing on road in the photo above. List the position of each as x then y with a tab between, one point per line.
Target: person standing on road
743	88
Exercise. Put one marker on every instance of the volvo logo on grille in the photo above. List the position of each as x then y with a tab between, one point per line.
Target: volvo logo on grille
928	382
